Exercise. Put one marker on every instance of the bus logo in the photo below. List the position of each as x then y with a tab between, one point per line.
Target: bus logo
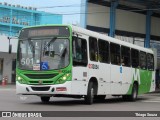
40	81
93	66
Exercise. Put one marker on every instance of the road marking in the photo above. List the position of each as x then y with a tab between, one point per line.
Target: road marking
153	101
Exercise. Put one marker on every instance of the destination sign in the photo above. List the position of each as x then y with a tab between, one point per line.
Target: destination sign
44	31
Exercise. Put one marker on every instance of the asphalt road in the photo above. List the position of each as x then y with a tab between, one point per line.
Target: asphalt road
9	101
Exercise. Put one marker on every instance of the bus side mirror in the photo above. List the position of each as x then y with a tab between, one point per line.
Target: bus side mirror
10	49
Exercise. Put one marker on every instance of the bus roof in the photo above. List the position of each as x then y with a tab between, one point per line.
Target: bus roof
83	31
80	30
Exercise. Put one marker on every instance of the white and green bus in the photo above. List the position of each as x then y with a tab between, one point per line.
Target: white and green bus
69	61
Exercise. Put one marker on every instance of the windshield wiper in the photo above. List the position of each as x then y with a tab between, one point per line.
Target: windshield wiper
52	40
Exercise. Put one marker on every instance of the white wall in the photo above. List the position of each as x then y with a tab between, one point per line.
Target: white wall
4	44
7	58
7	64
155	29
98	15
130	21
125	20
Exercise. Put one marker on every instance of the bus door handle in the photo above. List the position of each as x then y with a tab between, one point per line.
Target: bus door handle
152	80
111	81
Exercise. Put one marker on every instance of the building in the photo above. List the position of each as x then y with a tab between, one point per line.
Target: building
12	19
134	21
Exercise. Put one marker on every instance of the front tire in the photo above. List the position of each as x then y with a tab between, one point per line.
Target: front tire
90	94
45	99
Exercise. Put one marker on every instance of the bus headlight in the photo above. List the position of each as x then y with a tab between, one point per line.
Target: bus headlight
63	79
19	78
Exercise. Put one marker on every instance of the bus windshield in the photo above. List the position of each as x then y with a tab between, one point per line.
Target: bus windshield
43	53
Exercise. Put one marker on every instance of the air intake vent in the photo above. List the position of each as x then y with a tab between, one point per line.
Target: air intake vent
37	82
40	76
40	88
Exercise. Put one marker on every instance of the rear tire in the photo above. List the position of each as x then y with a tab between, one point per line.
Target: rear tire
45	99
90	94
133	95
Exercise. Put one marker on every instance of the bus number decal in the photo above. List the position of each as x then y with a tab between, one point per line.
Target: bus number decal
27	61
93	66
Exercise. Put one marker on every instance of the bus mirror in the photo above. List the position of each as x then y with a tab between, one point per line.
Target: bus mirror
10	49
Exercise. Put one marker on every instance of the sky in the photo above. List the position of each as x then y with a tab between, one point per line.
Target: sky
70	9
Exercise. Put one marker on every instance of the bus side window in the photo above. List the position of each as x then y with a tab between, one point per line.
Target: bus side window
135	58
150	62
143	60
79	51
103	51
115	53
93	50
125	56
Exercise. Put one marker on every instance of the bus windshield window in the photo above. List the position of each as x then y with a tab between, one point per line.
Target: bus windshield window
56	53
79	52
33	53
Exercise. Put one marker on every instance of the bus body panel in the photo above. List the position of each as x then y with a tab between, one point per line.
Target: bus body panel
126	78
104	79
79	80
120	79
22	89
153	83
101	72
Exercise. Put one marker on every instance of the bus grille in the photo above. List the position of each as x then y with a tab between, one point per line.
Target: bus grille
40	76
37	82
40	88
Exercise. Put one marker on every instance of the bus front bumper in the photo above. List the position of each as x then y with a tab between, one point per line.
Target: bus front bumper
24	89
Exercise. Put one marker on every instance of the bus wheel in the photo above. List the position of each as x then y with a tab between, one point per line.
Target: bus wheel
133	95
90	94
45	99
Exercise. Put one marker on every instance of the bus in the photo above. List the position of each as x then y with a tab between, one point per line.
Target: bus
69	61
